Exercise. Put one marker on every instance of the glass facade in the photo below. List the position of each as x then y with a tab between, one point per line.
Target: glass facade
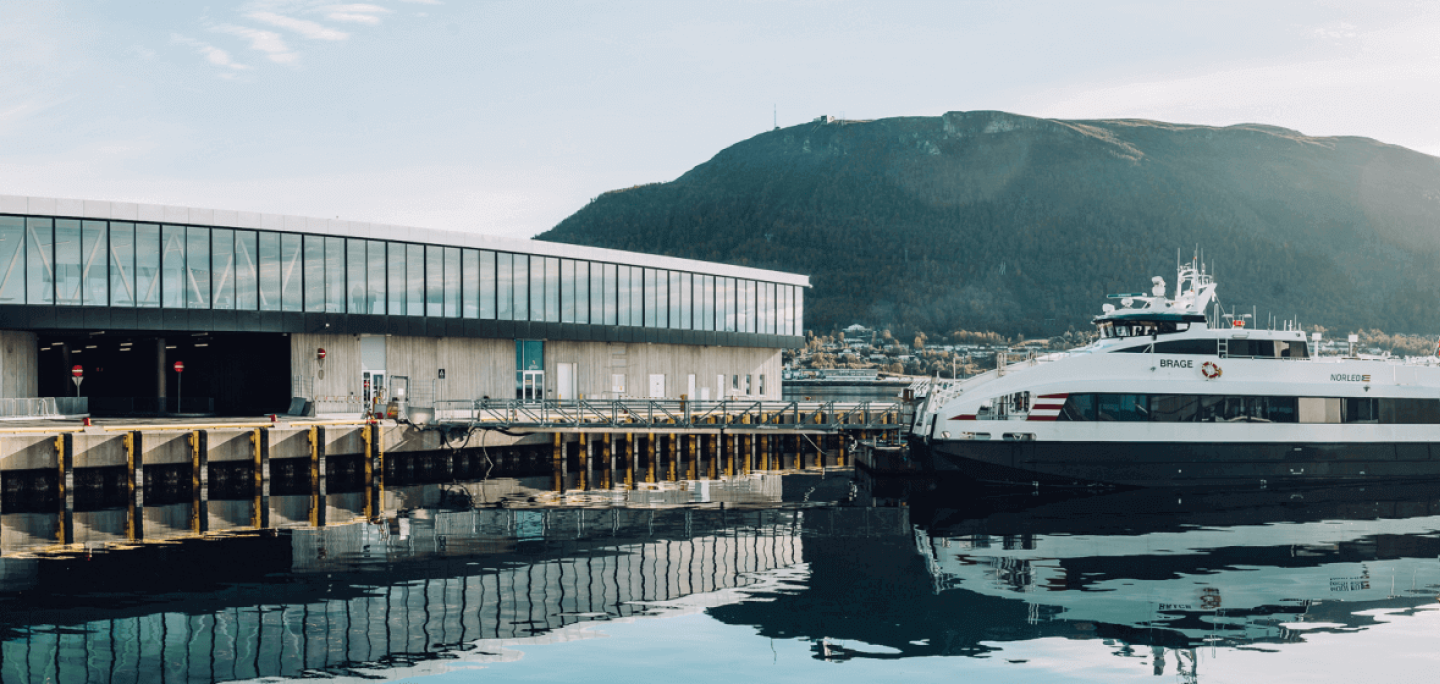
70	262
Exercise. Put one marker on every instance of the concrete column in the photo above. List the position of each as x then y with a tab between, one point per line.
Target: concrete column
65	459
260	443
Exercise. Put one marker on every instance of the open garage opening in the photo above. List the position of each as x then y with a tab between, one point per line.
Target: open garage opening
232	374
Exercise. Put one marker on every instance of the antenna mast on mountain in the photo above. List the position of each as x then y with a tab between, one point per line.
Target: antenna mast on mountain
776	114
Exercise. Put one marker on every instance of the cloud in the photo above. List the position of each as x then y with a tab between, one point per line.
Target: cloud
211	53
360	14
309	29
268	42
423	2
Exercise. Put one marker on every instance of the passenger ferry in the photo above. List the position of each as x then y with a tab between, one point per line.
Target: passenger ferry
1169	397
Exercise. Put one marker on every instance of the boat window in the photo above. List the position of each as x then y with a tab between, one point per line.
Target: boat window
1122	407
1258	349
1408	411
1202	347
1139	328
1174	408
1078	407
1292	350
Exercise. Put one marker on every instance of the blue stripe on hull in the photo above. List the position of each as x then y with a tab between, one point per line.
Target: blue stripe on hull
1159	464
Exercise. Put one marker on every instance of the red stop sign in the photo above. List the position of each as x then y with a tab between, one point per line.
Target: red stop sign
77	371
179	366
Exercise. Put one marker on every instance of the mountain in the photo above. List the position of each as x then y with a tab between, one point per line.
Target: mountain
996	221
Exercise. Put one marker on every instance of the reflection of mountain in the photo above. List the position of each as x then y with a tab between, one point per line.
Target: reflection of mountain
1095	567
408	593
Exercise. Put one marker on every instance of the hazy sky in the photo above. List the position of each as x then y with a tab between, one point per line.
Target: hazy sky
505	117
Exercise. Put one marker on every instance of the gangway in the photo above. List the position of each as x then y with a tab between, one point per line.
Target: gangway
733	416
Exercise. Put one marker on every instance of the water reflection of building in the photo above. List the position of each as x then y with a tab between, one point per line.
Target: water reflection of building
405	592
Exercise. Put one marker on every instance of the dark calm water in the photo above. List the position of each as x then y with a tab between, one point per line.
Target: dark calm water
791	576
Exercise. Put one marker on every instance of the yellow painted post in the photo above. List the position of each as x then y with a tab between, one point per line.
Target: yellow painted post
690	463
650	462
135	481
199	482
675	440
65	461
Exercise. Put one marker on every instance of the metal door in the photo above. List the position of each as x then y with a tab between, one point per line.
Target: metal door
657	386
373	392
532	386
565	381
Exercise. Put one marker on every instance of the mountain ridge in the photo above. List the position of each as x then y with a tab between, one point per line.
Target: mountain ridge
999	221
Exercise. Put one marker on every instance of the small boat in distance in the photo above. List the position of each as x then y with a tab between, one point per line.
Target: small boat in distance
1168	396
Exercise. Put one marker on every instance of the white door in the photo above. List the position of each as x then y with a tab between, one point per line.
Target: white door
565	382
690	387
657	386
704	394
719	387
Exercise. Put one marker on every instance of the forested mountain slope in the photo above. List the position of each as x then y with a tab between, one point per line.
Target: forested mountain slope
990	220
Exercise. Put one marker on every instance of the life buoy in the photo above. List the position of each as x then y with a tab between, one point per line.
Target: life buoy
1210	370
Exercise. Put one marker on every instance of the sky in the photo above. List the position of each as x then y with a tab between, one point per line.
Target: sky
506	117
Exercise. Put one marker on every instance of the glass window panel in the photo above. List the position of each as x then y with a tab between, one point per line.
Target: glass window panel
784	317
724	304
799	310
67	262
505	286
122	264
752	306
710	301
435	280
452	282
1122	407
647	295
197	268
537	288
356	284
94	276
172	267
291	272
582	292
314	273
335	275
660	296
39	261
397	278
674	299
487	285
597	293
567	291
271	263
552	289
147	264
414	280
470	270
247	271
771	310
622	291
375	290
687	304
222	267
609	297
12	260
520	267
637	296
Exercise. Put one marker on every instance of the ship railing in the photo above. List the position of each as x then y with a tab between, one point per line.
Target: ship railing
671	413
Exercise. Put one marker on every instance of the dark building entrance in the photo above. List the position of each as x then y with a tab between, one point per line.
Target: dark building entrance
234	374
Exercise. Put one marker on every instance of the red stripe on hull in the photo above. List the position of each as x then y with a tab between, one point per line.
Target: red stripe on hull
1048	407
963	418
1053	396
1033	417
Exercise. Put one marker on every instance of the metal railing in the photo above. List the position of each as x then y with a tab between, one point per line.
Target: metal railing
44	407
671	414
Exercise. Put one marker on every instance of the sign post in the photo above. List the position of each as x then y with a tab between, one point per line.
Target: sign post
179	389
77	376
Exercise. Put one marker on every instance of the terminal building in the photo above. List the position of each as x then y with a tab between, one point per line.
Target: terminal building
262	308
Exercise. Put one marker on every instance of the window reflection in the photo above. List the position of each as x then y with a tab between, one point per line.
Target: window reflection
147	264
314	273
270	267
94	276
67	262
172	267
222	267
122	264
291	273
470	287
396	252
415	280
247	262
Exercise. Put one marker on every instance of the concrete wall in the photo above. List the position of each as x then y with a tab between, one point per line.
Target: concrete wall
486	367
19	373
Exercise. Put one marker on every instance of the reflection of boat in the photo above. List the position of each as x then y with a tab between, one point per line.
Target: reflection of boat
1250	579
1167	396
